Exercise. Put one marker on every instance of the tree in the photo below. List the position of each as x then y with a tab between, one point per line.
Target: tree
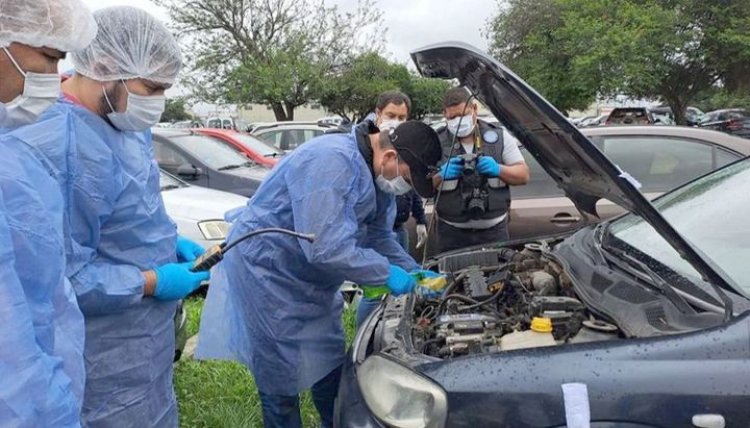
274	52
670	49
353	91
426	96
523	35
175	111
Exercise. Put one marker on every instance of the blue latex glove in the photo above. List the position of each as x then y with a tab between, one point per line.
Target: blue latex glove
452	169
400	282
188	250
175	281
489	167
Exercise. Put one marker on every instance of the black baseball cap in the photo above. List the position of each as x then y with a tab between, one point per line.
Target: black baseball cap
418	145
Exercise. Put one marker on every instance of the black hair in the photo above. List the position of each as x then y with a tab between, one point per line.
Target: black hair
456	96
393	97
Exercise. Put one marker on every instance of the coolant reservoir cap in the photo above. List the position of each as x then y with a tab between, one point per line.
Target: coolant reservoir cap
541	325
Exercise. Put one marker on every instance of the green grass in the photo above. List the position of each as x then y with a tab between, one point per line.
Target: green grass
223	394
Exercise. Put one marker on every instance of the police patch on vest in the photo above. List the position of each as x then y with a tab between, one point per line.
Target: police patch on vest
490	137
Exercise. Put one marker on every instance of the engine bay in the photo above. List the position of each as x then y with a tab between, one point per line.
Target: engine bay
502	300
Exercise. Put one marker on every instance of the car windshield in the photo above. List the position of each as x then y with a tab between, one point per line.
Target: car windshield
256	145
215	153
167	182
711	214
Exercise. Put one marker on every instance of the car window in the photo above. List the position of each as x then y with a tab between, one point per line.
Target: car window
736	114
256	145
273	138
659	163
227	124
540	184
167	156
312	133
628	116
214	153
711	214
166	182
724	157
214	123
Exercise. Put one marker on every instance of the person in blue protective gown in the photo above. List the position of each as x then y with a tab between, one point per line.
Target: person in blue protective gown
42	345
274	303
35	391
124	259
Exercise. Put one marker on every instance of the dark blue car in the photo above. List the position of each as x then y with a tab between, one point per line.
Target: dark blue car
637	322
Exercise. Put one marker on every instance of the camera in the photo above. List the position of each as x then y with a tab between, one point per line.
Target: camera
470	163
474	189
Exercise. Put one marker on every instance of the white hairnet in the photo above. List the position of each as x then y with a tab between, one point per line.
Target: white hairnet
130	44
65	25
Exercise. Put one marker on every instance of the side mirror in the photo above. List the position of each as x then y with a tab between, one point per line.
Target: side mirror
189	171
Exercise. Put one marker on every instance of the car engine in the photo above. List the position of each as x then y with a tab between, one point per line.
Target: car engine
500	300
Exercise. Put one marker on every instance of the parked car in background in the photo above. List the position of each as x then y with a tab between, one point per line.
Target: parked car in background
735	121
256	150
631	116
232	123
198	211
693	115
577	121
660	158
206	161
186	124
595	121
288	136
642	322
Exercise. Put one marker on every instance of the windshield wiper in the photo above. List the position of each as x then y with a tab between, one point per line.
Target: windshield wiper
270	155
169	187
655	279
228	167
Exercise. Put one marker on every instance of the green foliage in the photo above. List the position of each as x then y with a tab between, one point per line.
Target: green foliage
175	111
572	50
353	91
426	96
722	99
524	36
275	52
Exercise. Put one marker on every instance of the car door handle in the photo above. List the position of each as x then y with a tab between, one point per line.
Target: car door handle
709	421
564	218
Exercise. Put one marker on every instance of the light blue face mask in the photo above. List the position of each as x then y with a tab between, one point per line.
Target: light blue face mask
40	92
395	186
142	112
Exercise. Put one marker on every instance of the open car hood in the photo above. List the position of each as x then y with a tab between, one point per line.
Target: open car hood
578	167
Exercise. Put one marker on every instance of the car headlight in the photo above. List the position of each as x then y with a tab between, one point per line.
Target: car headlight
400	397
214	230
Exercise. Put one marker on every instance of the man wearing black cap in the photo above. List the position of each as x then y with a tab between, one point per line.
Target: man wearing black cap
274	303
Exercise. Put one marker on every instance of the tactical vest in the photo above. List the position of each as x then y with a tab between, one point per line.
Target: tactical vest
452	203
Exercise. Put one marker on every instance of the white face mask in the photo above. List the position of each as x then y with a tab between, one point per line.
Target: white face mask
396	186
40	92
461	126
141	113
389	124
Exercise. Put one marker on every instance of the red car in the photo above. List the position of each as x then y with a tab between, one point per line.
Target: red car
259	152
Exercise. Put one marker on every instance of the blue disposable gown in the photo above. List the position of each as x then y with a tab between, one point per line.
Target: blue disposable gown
41	347
117	228
274	303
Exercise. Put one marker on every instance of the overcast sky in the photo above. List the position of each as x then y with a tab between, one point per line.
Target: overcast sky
411	23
